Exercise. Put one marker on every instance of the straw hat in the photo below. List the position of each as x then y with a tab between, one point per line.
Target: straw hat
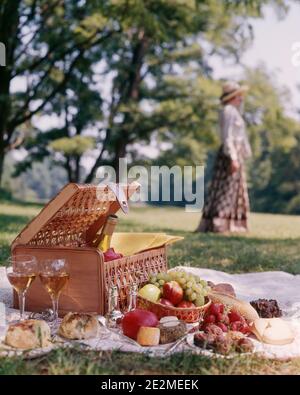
230	89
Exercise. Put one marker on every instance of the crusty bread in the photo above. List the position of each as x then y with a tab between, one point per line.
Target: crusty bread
272	331
28	334
224	288
79	326
244	308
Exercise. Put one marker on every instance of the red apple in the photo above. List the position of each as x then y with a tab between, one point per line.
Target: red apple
173	292
184	304
165	302
133	320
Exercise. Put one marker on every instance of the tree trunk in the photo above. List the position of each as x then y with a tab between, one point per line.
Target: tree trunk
77	169
90	176
68	167
130	93
1	166
120	152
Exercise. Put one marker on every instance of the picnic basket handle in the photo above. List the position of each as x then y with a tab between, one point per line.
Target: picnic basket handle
118	191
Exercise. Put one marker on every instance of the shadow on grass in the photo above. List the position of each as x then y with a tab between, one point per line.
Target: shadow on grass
237	254
6	198
4	252
10	223
10	226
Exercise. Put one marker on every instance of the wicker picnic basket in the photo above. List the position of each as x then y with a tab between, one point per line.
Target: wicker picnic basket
66	228
188	315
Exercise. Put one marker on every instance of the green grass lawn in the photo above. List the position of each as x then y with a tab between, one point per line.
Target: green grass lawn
272	244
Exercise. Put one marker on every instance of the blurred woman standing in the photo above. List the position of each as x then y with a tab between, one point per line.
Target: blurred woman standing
227	205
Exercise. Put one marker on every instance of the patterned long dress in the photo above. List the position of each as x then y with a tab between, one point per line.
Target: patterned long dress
226	206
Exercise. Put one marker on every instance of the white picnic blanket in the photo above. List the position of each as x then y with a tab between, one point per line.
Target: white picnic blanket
271	285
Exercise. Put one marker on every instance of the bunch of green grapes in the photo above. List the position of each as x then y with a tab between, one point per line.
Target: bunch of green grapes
159	279
195	289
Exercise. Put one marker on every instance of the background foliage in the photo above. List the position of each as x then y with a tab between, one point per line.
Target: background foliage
88	82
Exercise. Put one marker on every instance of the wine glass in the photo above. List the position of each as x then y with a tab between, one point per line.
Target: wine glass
54	275
21	272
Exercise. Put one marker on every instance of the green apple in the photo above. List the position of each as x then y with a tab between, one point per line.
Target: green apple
150	292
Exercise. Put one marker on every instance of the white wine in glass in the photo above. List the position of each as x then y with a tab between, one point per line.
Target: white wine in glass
21	272
54	283
54	276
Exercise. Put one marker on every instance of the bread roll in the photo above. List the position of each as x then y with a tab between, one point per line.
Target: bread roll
28	334
272	331
224	288
244	308
79	326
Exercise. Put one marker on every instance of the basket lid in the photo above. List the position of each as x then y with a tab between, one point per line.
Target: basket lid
74	216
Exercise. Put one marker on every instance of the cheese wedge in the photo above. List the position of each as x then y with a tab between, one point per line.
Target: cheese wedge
272	331
148	336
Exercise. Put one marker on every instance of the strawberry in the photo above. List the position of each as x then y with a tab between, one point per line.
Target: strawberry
234	316
239	326
216	308
209	319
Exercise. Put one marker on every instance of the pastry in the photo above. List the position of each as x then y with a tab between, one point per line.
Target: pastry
28	334
79	326
224	288
223	343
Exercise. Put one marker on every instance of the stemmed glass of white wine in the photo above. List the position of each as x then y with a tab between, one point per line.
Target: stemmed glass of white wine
21	270
54	275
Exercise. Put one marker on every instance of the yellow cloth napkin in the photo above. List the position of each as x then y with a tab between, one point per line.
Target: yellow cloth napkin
132	243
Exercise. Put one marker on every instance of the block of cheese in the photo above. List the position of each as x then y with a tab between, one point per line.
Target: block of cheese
272	331
148	336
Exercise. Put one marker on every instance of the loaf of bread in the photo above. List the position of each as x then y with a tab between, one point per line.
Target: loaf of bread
28	334
224	288
148	336
244	308
272	331
79	326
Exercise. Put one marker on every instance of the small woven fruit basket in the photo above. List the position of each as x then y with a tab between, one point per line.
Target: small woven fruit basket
188	315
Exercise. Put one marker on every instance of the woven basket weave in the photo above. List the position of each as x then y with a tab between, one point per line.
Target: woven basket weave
66	229
189	315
